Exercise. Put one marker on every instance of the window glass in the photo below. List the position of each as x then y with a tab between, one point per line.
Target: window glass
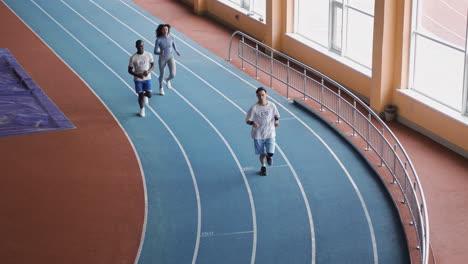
312	19
360	37
259	7
439	72
363	5
343	27
245	4
445	20
438	54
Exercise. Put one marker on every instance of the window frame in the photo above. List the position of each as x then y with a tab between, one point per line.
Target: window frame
334	7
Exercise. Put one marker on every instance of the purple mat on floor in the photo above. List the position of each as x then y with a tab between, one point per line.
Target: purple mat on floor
24	107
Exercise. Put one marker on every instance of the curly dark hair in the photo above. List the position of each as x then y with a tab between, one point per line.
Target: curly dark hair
160	27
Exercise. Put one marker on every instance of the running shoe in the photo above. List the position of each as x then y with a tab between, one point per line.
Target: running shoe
142	112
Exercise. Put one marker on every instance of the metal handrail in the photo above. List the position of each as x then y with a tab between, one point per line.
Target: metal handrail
378	137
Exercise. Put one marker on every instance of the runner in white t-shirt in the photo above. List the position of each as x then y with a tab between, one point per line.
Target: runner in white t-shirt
263	117
140	66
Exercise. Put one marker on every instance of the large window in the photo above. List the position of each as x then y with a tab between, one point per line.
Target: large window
344	27
255	8
438	64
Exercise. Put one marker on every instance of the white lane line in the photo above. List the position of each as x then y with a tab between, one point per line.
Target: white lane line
364	206
298	119
291	167
139	161
293	171
214	128
296	177
140	166
234	156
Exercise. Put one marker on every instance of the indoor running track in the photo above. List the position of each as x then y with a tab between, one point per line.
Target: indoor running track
206	203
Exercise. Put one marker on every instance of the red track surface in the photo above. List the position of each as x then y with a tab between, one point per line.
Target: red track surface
72	196
76	196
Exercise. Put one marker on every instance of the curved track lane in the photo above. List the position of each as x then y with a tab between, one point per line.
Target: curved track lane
218	154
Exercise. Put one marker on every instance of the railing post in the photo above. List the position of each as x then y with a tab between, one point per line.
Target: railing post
382	149
394	164
354	118
305	83
339	107
271	69
242	53
256	61
405	184
369	122
230	45
287	81
321	95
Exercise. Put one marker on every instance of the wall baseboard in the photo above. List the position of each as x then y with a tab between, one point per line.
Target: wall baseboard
434	137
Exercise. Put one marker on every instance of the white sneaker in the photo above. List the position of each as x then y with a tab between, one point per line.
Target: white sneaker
142	112
169	85
145	99
161	91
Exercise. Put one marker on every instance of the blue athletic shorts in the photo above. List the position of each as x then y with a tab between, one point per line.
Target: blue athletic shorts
263	146
141	86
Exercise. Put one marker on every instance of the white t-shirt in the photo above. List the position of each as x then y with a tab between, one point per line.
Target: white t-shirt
264	116
141	63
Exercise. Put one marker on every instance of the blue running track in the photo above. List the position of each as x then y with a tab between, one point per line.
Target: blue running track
206	203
